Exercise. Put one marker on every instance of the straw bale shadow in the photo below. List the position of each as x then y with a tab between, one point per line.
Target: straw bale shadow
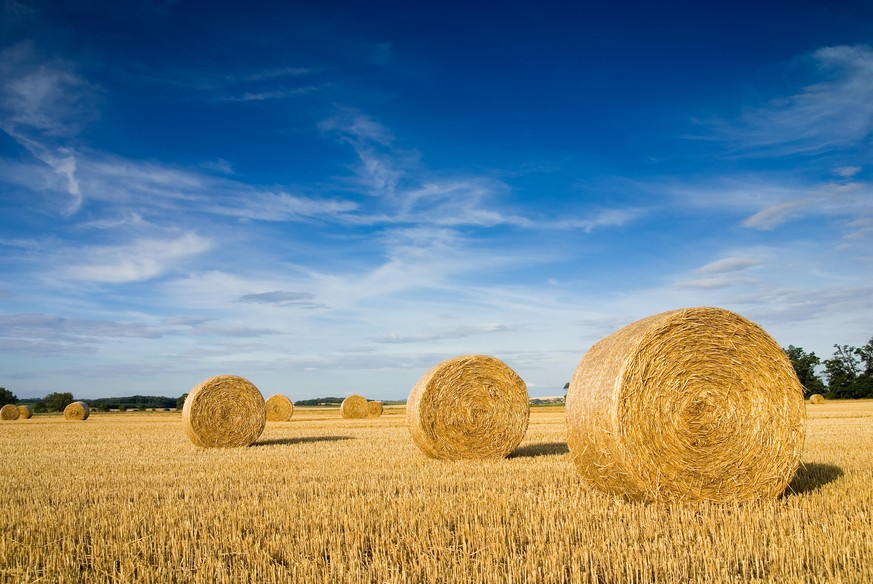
303	440
811	477
545	449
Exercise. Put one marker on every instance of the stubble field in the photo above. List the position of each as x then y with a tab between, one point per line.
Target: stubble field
125	497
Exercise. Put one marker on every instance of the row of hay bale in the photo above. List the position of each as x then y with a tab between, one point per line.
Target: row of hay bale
229	411
77	410
690	404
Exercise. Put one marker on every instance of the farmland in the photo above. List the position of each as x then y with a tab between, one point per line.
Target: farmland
126	497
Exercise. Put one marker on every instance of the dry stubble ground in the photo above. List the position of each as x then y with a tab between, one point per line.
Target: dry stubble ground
127	498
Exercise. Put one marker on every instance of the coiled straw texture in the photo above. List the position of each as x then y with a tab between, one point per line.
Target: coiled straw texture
279	408
25	412
468	407
691	404
9	412
816	398
355	407
77	411
224	411
375	408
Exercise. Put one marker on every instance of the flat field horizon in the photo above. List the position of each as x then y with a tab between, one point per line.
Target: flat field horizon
126	497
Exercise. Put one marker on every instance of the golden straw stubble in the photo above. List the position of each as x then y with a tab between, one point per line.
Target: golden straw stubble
355	407
279	408
468	407
25	412
692	404
375	408
9	412
224	411
78	410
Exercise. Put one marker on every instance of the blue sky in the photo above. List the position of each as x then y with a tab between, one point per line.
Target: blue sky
331	198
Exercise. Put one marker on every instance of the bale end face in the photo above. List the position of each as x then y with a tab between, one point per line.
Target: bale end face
224	411
25	412
9	412
816	398
355	407
77	410
279	408
375	408
692	404
468	407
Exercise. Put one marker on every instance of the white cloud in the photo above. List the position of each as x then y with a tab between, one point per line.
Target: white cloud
730	264
135	262
832	113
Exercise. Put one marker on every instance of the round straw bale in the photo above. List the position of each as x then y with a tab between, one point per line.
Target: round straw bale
691	404
224	411
472	407
816	398
77	410
279	408
9	412
25	412
375	408
355	407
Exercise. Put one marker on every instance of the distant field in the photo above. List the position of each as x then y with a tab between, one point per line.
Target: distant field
125	497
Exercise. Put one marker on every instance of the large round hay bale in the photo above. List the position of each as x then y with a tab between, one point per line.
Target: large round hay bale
224	411
355	407
9	412
25	412
375	408
691	404
77	410
279	408
816	398
473	407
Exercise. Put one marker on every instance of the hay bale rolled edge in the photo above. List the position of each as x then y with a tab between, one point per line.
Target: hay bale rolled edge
355	407
816	398
78	410
25	412
468	407
224	411
279	408
9	412
691	404
375	408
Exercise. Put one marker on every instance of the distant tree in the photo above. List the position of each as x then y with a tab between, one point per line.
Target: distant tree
804	365
57	401
850	372
7	397
122	408
180	401
39	407
141	407
103	407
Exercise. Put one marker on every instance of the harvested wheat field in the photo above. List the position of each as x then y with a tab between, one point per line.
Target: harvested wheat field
128	498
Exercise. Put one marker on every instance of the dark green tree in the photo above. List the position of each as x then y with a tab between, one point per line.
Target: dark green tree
57	401
7	397
842	372
804	365
103	407
865	377
180	402
39	407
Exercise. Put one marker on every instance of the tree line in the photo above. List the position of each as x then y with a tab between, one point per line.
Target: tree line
848	374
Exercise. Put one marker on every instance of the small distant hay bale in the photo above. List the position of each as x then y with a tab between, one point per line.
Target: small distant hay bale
468	407
225	411
375	408
25	412
692	404
279	408
816	398
77	411
355	407
9	412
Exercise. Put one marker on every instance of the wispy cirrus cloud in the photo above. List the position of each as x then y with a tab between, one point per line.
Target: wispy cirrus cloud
446	334
834	111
